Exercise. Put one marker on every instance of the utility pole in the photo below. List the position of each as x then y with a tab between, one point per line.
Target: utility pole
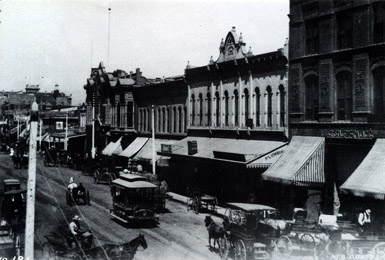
93	128
40	131
30	218
66	134
153	139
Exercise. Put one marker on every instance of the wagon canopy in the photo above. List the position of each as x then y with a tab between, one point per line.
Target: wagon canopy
250	207
302	163
369	177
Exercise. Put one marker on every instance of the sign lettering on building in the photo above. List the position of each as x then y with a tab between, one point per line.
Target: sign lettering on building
273	154
350	134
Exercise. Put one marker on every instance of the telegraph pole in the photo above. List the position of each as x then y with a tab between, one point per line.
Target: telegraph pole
66	134
93	127
30	218
153	139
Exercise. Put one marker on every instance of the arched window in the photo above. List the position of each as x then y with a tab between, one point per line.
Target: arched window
130	114
379	90
226	108
236	108
269	106
200	109
246	93
311	97
192	109
282	105
344	96
209	109
217	108
257	107
180	119
174	119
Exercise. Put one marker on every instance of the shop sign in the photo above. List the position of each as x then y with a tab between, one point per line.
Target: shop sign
192	147
166	148
273	154
350	134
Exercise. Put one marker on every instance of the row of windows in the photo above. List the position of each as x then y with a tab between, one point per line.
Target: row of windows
166	119
344	30
119	116
344	94
197	108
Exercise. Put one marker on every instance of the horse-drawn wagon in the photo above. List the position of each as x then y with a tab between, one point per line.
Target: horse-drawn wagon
106	174
253	231
78	194
198	201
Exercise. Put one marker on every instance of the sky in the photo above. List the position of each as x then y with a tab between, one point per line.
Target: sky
58	41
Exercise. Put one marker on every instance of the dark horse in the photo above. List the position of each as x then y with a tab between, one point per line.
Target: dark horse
215	231
126	250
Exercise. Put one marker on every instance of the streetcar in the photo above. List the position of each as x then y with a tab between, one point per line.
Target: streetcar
135	199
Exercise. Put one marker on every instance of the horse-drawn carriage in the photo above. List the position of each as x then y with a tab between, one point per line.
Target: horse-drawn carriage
198	201
60	246
106	174
253	231
78	194
12	221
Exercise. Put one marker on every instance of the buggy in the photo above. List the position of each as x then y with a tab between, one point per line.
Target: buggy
106	174
198	201
75	195
252	232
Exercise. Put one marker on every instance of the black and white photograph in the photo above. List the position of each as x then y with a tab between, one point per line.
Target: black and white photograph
192	129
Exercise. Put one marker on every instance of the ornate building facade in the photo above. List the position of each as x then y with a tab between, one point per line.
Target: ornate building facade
336	86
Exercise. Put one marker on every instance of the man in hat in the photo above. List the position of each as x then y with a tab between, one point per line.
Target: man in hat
75	232
72	184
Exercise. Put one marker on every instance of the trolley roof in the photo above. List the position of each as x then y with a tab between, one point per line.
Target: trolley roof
250	207
132	177
134	184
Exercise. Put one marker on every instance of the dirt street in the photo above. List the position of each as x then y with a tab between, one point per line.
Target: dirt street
180	234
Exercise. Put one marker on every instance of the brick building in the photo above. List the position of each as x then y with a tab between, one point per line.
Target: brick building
336	99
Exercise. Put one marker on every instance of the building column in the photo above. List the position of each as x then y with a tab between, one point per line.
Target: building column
189	108
266	108
221	105
241	104
251	97
212	94
182	120
278	121
177	120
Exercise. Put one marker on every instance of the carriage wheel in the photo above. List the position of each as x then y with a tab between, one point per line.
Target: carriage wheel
48	251
308	242
196	204
240	250
284	246
224	248
96	176
378	251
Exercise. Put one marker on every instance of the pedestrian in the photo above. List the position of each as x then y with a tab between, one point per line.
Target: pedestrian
364	220
75	232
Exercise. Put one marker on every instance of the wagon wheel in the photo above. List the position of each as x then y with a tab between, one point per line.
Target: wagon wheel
96	176
196	204
307	241
240	250
48	251
378	251
224	247
284	246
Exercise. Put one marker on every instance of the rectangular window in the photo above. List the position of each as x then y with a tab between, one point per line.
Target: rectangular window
312	40
344	31
378	22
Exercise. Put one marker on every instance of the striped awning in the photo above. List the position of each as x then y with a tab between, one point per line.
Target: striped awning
113	148
302	164
266	160
368	180
134	147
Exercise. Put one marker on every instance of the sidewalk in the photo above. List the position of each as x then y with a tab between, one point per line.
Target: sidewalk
220	212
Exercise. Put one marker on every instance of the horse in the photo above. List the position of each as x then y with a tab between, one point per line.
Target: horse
215	231
128	250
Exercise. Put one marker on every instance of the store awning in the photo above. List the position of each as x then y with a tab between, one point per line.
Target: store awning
113	148
369	177
302	164
225	149
134	147
146	152
268	159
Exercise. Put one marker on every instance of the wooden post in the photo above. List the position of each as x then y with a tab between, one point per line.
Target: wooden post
153	140
30	218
